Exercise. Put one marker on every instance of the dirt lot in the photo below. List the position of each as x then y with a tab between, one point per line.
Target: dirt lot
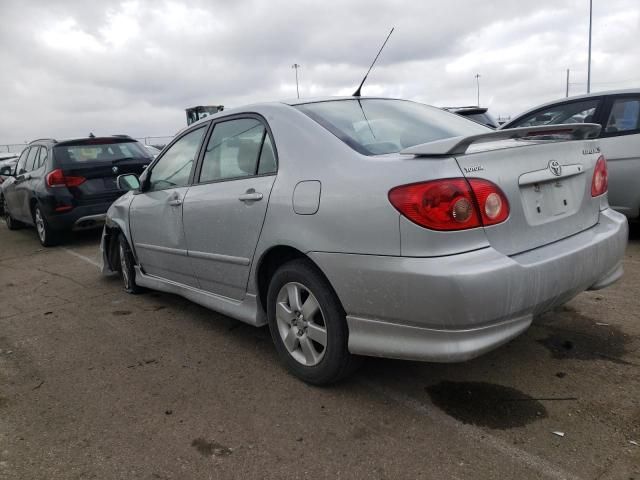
95	383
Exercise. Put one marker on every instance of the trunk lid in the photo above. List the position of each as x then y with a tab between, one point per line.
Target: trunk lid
547	184
100	185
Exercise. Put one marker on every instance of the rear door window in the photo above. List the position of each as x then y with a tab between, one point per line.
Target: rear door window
624	116
574	112
235	149
20	168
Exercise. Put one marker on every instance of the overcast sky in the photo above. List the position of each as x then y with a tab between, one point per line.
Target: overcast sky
73	66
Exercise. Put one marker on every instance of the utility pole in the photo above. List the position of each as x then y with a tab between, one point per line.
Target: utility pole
296	67
478	84
567	91
589	61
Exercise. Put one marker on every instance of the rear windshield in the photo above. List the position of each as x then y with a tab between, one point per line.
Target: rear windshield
107	152
379	126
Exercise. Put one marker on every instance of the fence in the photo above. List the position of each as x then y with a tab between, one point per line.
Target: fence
159	142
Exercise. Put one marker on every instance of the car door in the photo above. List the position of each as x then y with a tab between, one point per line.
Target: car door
225	208
620	144
156	214
23	187
10	187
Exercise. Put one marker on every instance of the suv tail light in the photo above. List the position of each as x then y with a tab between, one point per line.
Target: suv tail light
451	204
57	178
600	181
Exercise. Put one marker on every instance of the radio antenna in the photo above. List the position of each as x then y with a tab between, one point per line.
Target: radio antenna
357	92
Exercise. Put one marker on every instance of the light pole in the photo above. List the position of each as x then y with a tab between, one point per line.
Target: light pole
589	61
478	84
295	66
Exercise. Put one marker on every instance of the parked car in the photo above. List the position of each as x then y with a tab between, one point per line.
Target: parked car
477	114
362	226
58	186
7	167
618	112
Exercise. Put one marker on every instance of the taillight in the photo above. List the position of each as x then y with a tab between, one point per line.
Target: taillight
451	204
57	178
493	205
600	181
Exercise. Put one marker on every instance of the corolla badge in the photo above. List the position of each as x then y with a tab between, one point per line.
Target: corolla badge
555	168
114	169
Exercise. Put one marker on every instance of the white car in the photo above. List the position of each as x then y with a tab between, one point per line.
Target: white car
618	112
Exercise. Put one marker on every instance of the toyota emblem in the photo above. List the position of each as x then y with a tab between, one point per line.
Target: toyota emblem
115	169
555	167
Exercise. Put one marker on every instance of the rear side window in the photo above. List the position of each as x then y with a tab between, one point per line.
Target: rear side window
42	158
624	116
32	159
377	126
105	152
238	148
575	112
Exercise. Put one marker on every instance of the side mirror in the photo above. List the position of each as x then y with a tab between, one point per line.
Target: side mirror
7	171
128	181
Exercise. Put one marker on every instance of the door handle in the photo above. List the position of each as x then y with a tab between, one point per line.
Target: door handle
250	196
175	202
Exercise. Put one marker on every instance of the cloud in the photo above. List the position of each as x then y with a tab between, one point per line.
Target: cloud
132	67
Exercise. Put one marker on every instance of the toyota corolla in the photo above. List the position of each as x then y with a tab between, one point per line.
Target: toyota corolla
369	227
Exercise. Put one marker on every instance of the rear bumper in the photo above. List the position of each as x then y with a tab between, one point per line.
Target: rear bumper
456	307
80	218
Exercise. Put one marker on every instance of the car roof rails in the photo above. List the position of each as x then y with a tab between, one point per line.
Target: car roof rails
43	140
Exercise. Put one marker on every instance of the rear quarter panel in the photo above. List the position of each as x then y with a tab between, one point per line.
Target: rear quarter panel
623	162
355	215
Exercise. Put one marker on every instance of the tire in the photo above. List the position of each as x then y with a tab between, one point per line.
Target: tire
127	263
12	224
303	312
48	236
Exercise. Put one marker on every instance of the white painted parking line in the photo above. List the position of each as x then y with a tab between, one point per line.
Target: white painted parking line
484	439
82	257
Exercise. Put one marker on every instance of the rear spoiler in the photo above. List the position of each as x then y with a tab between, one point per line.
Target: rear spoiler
459	145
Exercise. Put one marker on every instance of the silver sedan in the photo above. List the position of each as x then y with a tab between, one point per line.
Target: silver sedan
369	227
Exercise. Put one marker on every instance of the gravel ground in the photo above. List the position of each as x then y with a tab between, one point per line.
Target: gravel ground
95	383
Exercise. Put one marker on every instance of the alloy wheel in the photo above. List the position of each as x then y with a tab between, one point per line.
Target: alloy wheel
301	324
42	233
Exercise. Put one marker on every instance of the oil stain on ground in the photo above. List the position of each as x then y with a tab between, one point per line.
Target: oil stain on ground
575	336
209	449
486	404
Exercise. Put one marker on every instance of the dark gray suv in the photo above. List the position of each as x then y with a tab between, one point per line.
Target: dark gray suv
59	186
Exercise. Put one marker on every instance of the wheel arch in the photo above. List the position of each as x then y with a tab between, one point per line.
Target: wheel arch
113	228
272	259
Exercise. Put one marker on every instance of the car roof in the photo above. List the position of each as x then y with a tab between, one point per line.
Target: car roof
577	97
81	139
282	103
